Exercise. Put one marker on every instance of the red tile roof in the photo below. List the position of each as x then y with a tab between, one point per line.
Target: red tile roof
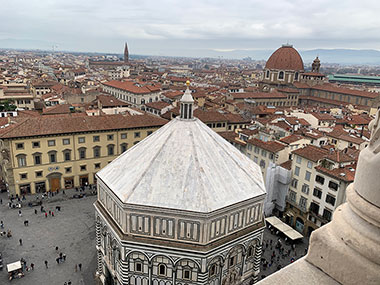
285	58
271	146
311	152
132	87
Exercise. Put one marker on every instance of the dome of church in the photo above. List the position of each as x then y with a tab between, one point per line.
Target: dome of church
285	58
185	166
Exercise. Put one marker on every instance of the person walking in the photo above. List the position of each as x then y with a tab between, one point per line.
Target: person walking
20	240
64	257
76	268
35	211
45	214
1	224
56	248
80	266
52	213
32	266
46	264
19	213
57	259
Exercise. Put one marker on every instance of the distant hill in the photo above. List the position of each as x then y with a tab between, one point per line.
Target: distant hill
343	56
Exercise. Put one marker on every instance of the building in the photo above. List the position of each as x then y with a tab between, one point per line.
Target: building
48	153
346	250
126	53
188	210
135	93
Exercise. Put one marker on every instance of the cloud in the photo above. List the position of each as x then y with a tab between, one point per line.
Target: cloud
95	24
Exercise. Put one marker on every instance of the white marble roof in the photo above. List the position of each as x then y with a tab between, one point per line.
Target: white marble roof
186	166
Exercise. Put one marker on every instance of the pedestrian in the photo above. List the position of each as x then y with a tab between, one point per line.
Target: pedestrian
64	257
65	283
56	248
19	213
76	268
42	209
80	266
45	215
20	240
57	259
63	192
46	264
35	211
49	213
2	225
32	266
60	255
69	283
1	201
52	213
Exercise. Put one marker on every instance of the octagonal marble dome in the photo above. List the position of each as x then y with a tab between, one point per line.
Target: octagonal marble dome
184	166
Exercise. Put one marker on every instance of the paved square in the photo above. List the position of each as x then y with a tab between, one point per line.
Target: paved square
72	229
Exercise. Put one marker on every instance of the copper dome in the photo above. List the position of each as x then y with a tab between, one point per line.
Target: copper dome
285	58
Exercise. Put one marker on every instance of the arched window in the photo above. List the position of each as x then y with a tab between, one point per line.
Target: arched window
186	274
296	76
281	75
67	155
82	153
52	156
96	151
162	269
123	147
267	74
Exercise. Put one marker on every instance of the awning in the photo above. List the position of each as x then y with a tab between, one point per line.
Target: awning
284	228
14	266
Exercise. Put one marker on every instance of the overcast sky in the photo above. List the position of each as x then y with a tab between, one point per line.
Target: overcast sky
188	28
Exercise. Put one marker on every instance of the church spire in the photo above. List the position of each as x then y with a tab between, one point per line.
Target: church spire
187	104
126	53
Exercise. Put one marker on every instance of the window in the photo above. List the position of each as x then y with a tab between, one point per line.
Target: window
19	145
232	261
110	137
123	147
38	173
320	179
327	214
138	267
52	156
110	149
294	182
68	169
333	185
267	74
281	75
296	76
97	165
297	171
309	164
299	159
37	158
66	141
317	193
264	153
307	175
36	144
97	151
51	142
187	274
255	159
82	153
136	142
271	156
148	133
83	168
292	196
302	202
257	150
213	270
305	189
250	251
314	208
262	163
162	269
66	155
124	135
23	176
96	138
330	199
81	140
137	134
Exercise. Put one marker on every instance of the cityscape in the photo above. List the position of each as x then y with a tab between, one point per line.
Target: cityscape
155	166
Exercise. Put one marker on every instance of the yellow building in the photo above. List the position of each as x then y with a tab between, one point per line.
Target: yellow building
50	153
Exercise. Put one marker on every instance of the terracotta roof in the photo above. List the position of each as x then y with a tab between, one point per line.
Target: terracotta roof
337	89
287	165
259	95
57	125
346	174
232	137
340	157
323	116
271	146
132	87
58	109
291	139
311	152
209	116
285	58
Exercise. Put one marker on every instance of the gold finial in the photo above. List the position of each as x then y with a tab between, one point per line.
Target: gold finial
188	83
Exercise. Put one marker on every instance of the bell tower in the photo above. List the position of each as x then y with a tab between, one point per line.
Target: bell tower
126	53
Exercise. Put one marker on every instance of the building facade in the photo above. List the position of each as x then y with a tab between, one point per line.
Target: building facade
51	153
